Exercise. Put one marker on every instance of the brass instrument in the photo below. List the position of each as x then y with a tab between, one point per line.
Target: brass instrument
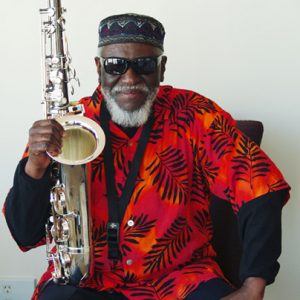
68	226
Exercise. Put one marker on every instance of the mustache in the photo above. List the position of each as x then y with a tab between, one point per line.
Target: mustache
128	88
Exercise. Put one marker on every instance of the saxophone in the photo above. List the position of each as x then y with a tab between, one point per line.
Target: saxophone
68	225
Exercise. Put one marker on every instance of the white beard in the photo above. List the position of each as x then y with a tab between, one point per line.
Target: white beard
129	118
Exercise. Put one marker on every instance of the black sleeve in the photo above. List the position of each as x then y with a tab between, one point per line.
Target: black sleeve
27	207
260	231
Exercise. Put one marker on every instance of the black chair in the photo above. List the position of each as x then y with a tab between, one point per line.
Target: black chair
226	239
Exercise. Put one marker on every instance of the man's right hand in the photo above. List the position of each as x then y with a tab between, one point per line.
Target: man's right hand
44	136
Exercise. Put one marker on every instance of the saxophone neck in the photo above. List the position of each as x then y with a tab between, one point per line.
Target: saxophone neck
56	61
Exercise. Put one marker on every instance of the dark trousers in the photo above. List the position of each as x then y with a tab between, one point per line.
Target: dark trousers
68	292
211	290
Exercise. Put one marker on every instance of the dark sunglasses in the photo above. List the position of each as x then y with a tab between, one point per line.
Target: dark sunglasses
119	65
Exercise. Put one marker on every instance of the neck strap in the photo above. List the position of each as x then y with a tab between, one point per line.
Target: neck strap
117	207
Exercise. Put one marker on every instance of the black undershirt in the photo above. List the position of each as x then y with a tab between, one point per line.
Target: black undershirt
130	131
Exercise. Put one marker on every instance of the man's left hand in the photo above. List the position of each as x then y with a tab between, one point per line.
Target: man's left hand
253	288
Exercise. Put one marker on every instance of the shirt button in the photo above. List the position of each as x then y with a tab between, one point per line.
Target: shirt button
130	144
129	262
130	223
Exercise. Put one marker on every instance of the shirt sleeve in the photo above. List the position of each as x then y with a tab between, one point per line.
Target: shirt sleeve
260	232
27	207
238	171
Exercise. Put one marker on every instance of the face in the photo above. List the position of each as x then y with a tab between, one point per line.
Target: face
130	91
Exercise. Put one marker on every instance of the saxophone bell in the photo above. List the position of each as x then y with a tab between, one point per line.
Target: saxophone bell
83	142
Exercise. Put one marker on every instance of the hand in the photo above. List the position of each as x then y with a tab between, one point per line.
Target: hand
253	288
44	136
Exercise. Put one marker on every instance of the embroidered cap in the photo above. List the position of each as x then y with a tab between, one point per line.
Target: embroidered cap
131	27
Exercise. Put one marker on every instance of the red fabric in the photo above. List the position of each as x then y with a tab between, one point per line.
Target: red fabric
193	150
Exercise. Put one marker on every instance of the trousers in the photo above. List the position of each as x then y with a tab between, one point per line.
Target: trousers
211	290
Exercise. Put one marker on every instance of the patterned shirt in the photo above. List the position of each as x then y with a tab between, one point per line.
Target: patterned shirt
194	151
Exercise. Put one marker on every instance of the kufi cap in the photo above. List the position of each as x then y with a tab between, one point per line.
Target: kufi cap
126	28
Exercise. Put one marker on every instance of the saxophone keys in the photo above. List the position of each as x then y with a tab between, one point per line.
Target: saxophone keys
58	199
60	231
65	259
61	262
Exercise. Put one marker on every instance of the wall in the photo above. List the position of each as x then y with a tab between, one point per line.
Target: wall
243	54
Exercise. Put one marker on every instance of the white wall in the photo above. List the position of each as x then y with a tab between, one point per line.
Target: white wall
242	53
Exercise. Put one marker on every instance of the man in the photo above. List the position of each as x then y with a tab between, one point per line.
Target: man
185	150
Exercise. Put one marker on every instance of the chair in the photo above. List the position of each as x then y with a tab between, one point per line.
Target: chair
226	239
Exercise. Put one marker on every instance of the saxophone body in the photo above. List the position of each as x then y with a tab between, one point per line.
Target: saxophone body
68	227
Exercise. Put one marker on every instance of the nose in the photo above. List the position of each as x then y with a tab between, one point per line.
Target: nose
130	77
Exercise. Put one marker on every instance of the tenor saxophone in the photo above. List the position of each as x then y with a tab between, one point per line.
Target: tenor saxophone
68	225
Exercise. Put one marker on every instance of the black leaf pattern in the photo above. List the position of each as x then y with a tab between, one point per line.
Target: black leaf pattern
99	242
201	268
195	269
129	277
153	290
99	239
138	193
139	230
97	168
203	223
98	276
147	292
183	109
164	287
187	290
118	144
168	248
249	163
210	171
230	197
277	185
200	190
168	170
94	100
157	130
223	136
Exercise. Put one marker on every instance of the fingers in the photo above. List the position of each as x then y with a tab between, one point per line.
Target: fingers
45	136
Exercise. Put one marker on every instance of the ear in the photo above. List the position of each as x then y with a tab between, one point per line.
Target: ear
163	68
98	67
97	63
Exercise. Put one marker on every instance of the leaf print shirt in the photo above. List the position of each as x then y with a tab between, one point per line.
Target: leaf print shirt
194	153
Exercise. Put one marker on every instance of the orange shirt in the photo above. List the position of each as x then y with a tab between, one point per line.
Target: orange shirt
193	151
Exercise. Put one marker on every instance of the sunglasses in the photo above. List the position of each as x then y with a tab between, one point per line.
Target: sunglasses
141	65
